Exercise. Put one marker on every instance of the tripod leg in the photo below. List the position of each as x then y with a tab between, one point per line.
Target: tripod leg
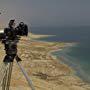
4	80
9	75
18	59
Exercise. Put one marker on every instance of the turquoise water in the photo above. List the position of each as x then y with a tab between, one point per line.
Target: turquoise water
77	56
81	55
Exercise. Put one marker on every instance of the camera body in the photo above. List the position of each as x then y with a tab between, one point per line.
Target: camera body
11	37
20	30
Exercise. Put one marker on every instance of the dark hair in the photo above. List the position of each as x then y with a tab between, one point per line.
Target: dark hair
11	22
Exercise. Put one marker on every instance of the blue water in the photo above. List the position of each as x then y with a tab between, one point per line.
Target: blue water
78	55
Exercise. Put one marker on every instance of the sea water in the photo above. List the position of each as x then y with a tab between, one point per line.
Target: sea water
77	56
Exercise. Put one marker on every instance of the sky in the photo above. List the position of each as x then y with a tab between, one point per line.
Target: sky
40	13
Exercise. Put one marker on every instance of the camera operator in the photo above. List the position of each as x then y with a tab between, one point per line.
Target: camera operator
10	42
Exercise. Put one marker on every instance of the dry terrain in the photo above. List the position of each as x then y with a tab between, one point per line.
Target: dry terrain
46	72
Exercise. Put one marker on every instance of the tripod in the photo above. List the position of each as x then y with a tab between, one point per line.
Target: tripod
11	54
8	71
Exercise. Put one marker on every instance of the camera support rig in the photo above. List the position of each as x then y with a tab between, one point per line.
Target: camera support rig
9	64
7	76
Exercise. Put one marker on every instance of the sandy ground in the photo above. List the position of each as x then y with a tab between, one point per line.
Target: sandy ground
34	36
46	72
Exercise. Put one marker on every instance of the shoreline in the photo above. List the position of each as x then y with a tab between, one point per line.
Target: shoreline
76	70
63	61
46	70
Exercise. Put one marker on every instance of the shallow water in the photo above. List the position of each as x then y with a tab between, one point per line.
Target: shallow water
79	66
77	56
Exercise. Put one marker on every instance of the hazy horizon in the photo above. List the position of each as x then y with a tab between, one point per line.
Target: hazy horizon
49	13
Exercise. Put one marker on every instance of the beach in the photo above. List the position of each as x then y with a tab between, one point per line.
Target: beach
45	70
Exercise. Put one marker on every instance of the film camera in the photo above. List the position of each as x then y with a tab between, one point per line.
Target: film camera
20	30
11	39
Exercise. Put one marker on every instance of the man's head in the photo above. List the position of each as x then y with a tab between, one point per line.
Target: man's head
12	23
